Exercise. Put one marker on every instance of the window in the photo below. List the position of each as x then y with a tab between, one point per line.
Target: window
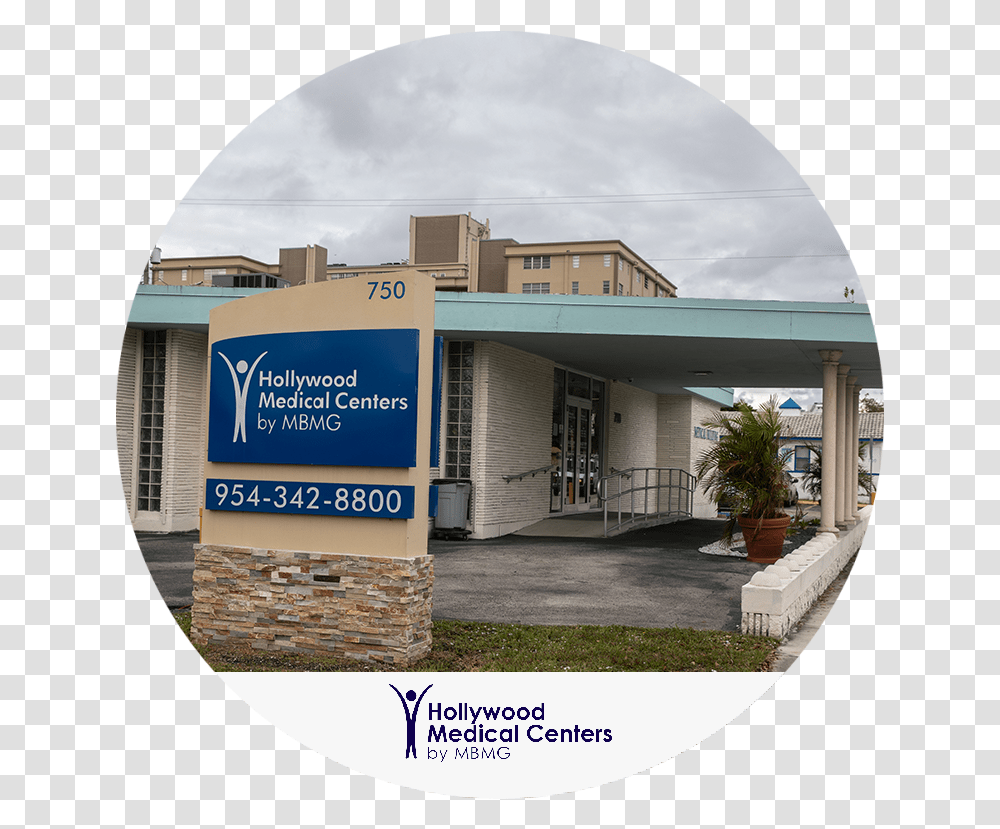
345	275
576	288
536	263
620	290
153	393
184	275
578	385
252	280
535	287
621	264
458	417
607	286
576	261
646	281
801	458
637	277
607	260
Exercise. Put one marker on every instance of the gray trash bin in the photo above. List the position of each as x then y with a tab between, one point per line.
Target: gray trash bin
453	503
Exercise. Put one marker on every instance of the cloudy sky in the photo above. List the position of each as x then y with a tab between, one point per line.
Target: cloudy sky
550	138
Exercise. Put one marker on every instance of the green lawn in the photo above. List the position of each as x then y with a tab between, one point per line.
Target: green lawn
483	646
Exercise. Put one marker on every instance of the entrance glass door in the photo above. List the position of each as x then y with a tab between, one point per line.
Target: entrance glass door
578	472
572	414
558	483
577	440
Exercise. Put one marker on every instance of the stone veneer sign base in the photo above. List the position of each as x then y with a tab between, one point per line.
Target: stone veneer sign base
354	606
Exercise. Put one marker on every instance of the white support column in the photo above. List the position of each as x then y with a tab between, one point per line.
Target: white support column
828	484
855	408
850	454
842	446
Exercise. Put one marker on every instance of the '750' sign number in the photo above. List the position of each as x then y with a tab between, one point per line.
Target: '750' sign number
389	290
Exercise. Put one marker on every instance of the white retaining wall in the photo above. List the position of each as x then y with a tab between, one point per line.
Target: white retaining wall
780	594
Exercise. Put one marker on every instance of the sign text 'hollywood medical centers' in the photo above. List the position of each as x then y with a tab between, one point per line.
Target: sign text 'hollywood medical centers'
333	398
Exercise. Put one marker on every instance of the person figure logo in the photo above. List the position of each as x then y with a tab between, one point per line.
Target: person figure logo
240	427
411	717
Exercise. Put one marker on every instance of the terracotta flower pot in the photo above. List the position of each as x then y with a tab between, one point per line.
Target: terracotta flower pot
764	539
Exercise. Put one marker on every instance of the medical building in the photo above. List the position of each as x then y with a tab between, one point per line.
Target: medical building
572	372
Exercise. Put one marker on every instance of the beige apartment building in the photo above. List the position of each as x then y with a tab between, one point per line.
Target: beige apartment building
607	268
296	266
457	252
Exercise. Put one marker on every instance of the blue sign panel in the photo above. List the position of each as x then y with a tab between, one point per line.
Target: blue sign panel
332	398
309	498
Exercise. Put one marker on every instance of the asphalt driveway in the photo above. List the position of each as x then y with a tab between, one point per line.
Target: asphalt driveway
170	559
653	577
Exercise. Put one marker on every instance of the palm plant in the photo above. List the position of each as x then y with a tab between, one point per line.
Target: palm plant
745	467
812	480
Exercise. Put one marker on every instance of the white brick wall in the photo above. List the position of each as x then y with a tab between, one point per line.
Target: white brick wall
511	434
677	446
184	447
631	443
670	435
674	431
702	409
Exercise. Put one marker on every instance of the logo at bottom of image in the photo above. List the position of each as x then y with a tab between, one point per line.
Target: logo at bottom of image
447	731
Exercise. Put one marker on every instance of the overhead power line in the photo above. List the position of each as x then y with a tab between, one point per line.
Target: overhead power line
769	256
513	201
527	201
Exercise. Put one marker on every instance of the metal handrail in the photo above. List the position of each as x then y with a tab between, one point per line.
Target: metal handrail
531	472
672	490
